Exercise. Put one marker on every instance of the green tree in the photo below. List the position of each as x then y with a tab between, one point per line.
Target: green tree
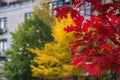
32	33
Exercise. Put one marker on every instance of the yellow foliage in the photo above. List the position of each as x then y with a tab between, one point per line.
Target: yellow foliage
55	58
58	30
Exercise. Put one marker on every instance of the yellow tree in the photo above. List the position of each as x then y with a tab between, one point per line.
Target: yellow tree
54	60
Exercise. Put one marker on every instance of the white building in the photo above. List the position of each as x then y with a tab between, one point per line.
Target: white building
12	13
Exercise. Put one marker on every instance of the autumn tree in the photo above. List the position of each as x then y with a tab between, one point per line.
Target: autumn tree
54	60
99	36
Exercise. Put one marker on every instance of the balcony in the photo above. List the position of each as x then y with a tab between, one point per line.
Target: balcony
2	31
3	58
6	6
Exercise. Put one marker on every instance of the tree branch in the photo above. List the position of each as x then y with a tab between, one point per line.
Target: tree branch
112	25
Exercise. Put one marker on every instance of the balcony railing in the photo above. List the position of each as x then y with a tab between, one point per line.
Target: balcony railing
17	5
2	31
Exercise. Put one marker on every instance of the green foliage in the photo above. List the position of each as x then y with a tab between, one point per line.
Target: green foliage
32	33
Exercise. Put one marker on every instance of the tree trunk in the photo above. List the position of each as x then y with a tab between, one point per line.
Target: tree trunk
113	75
75	77
97	78
86	78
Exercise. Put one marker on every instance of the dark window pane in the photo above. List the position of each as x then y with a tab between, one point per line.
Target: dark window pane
28	15
3	25
3	45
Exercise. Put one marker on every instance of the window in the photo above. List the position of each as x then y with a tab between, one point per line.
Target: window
85	9
56	4
3	45
28	15
3	25
67	0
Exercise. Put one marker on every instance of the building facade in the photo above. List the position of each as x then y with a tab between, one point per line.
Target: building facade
12	13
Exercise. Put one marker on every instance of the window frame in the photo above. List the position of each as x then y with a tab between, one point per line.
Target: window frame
3	25
3	45
28	14
85	9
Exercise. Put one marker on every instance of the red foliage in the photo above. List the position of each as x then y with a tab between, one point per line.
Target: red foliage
100	37
98	51
63	11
